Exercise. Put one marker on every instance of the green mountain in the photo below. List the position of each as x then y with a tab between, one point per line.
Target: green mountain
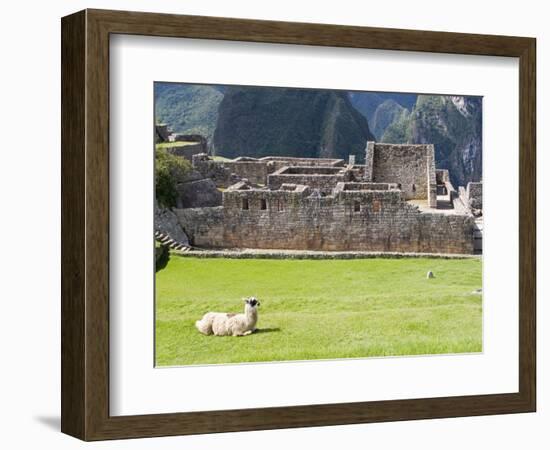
453	124
259	121
367	102
386	114
188	108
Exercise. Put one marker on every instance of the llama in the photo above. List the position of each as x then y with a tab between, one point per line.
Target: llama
231	324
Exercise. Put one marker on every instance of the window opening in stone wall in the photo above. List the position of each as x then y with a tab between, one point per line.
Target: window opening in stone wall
356	206
263	203
414	188
245	203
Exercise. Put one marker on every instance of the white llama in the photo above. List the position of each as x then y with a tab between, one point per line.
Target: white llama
231	324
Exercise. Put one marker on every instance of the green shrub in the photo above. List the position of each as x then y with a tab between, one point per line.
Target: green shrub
169	171
162	255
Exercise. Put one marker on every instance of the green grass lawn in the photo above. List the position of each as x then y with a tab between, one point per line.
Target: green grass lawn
319	309
175	144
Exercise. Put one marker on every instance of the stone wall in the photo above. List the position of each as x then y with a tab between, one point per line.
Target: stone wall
253	171
198	193
218	173
226	173
460	201
369	161
278	162
365	186
474	194
471	197
324	179
431	180
204	226
442	181
369	220
187	151
442	176
256	170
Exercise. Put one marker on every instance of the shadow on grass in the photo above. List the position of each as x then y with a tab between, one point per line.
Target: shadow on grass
267	330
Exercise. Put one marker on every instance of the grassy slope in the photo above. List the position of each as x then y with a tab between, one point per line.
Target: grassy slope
319	309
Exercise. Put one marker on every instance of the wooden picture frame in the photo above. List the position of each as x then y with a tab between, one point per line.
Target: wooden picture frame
85	224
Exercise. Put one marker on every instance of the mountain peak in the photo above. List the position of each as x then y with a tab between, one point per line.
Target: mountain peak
264	121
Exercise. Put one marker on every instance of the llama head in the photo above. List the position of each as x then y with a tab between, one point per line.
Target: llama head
251	302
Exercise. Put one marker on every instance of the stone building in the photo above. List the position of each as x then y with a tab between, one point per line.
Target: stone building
396	202
412	167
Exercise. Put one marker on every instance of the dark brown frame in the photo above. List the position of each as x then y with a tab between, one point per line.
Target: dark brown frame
85	224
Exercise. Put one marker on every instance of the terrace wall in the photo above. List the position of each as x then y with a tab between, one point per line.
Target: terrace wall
349	220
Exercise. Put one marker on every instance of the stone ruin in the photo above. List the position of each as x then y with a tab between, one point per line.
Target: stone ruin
189	144
396	202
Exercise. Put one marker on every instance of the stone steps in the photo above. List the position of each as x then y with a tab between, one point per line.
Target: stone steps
164	239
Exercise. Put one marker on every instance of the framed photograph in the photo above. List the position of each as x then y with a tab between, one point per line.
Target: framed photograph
273	225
